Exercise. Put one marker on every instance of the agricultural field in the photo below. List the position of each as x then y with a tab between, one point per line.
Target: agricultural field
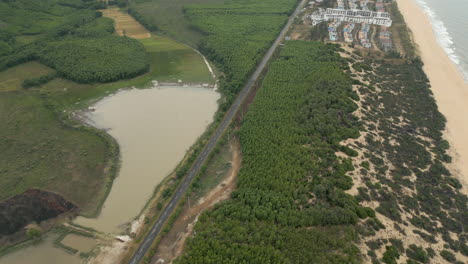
291	186
125	25
27	17
169	17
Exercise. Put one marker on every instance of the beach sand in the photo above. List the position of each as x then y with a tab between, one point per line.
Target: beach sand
447	83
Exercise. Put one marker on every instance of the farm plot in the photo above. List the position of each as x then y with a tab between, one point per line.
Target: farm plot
125	25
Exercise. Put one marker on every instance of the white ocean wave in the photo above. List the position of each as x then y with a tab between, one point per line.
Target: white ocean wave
442	34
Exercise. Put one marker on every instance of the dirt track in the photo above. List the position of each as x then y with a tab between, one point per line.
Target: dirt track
172	244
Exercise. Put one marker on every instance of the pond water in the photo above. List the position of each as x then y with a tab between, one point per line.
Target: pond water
80	243
42	253
154	128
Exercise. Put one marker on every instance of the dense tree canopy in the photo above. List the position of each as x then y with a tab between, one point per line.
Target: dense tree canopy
238	32
78	44
291	181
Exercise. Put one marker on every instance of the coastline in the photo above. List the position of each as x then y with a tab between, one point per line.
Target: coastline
447	84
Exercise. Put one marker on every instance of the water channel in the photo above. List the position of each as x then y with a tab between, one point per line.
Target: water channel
154	128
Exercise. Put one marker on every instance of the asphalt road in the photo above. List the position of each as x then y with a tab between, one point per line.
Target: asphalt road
145	245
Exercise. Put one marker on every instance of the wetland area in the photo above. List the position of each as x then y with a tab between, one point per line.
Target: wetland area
154	128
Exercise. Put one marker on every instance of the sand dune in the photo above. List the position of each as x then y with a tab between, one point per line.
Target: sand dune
449	88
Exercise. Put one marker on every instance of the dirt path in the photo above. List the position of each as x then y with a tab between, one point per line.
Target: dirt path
173	243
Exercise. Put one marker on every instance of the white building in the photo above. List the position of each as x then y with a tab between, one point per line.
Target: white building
358	16
318	16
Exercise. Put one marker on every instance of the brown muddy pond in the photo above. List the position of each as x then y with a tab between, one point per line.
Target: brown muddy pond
80	243
43	253
154	128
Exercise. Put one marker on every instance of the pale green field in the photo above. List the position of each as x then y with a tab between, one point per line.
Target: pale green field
12	78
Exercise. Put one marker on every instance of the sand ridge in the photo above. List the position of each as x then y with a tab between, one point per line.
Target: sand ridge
447	83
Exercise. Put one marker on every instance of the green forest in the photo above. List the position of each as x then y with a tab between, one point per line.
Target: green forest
69	36
237	34
233	34
290	205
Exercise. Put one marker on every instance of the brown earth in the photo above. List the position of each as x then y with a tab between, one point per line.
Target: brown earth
300	32
31	206
172	245
126	24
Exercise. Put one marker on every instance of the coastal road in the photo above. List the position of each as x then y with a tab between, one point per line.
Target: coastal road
193	171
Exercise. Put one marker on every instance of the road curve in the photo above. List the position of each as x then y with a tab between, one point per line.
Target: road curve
182	188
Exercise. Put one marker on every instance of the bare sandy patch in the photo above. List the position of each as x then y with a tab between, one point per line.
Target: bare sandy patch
172	245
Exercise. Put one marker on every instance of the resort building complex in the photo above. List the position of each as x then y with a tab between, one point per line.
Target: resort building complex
358	16
362	22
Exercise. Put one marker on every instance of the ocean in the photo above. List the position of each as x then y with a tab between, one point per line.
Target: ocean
450	23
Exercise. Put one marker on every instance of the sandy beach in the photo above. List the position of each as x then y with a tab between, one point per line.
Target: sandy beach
449	88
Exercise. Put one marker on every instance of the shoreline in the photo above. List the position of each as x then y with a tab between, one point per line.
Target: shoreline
447	84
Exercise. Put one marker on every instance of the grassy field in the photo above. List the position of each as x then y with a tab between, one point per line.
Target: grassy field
170	61
169	17
39	150
216	171
12	78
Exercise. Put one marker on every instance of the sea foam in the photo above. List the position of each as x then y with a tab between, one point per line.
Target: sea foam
442	35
